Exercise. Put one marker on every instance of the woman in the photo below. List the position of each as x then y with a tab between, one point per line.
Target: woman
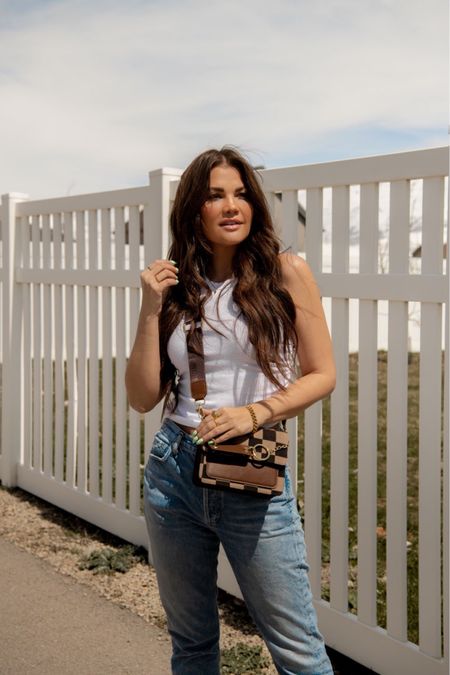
261	311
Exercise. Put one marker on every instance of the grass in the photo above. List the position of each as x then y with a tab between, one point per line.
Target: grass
412	490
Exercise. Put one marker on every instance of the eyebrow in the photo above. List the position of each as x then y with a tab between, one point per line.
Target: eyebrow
219	189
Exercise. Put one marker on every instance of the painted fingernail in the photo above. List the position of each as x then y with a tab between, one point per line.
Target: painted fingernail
199	441
194	434
173	262
210	442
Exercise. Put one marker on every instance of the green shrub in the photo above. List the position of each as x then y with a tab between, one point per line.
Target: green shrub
108	560
243	659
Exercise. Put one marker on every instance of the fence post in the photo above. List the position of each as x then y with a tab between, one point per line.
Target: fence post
160	180
12	436
446	459
156	245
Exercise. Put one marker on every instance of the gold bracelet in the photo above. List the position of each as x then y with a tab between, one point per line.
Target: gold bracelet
254	420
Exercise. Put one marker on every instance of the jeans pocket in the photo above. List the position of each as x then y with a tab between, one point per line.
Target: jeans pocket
161	448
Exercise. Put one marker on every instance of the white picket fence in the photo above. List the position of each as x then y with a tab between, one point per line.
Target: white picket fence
69	305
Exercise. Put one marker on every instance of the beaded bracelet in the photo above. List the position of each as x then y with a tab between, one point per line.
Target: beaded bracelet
254	420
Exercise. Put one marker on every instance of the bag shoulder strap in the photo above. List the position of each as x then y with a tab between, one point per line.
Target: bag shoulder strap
196	358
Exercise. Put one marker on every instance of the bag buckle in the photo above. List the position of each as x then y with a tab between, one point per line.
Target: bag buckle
199	407
260	453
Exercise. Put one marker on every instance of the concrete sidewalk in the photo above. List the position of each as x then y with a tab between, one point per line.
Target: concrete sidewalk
52	625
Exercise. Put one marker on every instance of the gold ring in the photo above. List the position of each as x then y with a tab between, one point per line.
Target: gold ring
215	414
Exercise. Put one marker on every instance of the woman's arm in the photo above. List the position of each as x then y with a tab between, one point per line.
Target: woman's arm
143	371
142	375
315	351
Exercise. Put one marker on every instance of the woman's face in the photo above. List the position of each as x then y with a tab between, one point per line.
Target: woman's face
227	214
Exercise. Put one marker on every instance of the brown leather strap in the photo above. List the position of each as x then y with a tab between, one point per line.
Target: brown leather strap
234	449
196	358
240	449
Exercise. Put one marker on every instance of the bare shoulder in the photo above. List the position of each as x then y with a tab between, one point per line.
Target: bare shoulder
297	274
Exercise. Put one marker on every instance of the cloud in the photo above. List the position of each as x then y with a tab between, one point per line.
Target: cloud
95	94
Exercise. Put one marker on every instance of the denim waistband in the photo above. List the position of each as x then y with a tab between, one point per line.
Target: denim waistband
173	431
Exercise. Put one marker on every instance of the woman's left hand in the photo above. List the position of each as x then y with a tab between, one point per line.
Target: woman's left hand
224	423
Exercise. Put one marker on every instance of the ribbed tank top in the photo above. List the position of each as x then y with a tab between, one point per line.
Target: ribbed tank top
233	377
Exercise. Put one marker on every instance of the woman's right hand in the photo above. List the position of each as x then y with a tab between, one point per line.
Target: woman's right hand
155	280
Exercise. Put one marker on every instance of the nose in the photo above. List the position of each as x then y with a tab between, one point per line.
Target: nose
230	205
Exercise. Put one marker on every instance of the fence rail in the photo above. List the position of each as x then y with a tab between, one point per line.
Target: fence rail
70	298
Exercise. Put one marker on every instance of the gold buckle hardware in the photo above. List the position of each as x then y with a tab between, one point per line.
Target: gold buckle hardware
199	407
260	453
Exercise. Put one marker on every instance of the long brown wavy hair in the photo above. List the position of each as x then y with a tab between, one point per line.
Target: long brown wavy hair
266	306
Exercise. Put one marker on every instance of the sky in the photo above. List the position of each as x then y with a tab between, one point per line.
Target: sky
94	94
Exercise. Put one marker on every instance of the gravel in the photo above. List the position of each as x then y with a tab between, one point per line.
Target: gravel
63	540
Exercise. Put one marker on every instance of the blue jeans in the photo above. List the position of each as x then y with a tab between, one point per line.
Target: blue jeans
264	542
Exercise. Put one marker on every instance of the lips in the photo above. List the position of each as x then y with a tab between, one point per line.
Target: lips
230	222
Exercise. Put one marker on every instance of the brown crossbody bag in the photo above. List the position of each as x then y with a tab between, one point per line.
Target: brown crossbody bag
254	463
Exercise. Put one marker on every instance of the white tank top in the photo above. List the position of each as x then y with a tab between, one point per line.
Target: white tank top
233	377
